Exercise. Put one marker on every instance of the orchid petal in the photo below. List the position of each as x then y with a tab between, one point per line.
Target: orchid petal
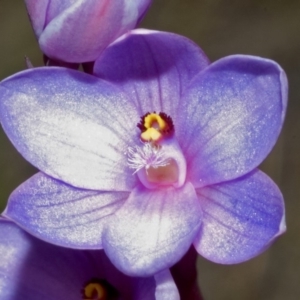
153	67
32	269
241	218
61	214
152	230
231	117
166	287
78	31
70	125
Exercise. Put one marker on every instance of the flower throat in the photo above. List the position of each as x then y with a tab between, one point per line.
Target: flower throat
159	161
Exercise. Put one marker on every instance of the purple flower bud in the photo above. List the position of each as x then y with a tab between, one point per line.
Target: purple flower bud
78	31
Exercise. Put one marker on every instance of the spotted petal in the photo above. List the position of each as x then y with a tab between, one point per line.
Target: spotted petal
230	117
153	67
241	218
153	229
71	126
61	214
32	269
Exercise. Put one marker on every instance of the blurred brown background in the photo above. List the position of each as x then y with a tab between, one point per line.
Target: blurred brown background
268	28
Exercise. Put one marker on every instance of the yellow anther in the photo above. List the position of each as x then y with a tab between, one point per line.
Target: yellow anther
155	121
155	127
151	134
95	291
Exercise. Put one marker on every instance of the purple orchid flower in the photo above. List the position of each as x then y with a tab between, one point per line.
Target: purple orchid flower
78	31
157	153
32	269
